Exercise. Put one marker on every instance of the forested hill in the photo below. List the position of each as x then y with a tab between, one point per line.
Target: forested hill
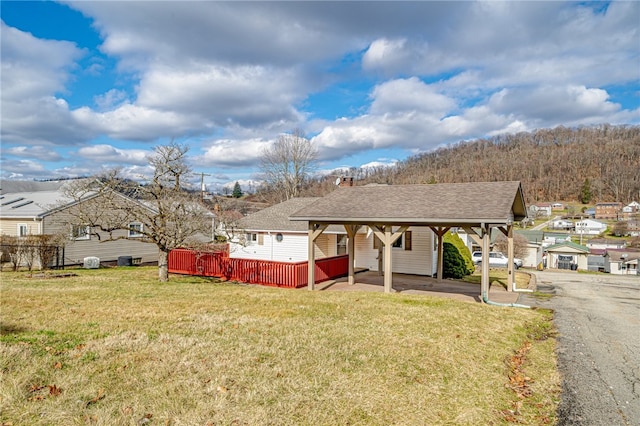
552	164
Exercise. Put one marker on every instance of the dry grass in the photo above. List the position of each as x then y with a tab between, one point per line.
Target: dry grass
116	347
498	276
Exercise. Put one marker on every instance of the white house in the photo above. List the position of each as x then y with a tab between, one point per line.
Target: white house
606	243
567	255
562	224
270	235
622	262
540	210
589	227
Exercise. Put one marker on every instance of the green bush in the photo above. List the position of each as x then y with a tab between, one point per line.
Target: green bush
453	263
462	249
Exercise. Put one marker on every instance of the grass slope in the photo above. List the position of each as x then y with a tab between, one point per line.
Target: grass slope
113	346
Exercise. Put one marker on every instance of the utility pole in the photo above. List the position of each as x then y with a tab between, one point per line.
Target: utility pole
202	188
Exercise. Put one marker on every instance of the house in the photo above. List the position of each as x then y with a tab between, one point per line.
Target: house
631	210
608	210
590	212
535	248
557	206
540	210
605	243
622	261
270	235
589	227
562	224
44	210
567	255
389	212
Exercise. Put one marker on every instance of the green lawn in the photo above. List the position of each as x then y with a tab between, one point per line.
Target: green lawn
114	346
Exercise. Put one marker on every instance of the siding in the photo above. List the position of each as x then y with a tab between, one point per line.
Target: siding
419	260
10	226
107	251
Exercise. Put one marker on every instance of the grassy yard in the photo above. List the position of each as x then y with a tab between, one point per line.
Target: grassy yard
115	347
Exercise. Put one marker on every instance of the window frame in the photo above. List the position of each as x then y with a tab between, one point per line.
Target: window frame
132	231
76	235
22	226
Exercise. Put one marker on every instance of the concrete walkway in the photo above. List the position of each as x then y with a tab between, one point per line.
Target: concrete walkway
416	284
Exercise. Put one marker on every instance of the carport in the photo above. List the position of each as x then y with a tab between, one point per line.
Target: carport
389	210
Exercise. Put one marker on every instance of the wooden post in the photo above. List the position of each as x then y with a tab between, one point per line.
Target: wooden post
388	238
484	281
440	231
315	230
508	232
351	250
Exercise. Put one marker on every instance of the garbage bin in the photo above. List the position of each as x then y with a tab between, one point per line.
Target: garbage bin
574	267
125	260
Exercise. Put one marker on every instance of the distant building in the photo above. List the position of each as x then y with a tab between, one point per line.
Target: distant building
589	227
608	210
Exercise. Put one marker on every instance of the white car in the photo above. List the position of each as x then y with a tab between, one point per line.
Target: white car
496	259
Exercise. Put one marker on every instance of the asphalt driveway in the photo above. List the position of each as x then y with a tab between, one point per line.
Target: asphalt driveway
598	321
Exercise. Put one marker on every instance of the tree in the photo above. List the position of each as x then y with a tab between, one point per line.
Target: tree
585	192
520	244
288	163
170	217
237	191
453	264
457	242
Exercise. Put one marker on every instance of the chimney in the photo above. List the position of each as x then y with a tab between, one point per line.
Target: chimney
346	181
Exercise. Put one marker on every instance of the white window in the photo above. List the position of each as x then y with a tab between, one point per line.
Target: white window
23	230
252	238
135	230
80	232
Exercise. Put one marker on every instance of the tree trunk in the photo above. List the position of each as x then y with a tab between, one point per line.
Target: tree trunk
163	266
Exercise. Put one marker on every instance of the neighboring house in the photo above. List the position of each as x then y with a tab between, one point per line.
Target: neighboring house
633	228
608	210
540	210
270	235
535	249
40	212
562	224
589	227
557	206
590	212
622	262
567	255
605	243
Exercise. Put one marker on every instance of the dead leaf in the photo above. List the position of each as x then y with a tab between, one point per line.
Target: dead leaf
35	388
57	366
222	389
54	390
97	398
127	411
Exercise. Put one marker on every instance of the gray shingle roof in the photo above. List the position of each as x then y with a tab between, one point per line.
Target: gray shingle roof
276	218
475	202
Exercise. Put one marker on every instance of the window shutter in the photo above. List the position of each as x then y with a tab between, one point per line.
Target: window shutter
260	239
407	240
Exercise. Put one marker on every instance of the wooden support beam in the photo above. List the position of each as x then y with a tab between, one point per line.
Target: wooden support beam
351	230
484	281
440	231
511	276
315	230
387	237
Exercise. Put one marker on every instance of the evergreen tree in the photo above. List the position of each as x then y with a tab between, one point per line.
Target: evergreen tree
462	249
237	191
585	192
453	264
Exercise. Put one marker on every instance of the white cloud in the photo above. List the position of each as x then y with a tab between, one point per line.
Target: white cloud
39	152
230	153
110	154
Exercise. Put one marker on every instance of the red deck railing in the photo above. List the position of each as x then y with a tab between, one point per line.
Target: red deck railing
253	271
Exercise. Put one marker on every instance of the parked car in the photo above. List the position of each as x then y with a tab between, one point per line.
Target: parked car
496	259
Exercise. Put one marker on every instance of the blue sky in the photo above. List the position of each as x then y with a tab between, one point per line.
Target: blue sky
88	86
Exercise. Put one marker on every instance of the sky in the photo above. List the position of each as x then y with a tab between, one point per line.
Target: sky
91	85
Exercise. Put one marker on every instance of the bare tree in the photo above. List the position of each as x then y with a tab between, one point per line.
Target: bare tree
519	245
165	213
288	163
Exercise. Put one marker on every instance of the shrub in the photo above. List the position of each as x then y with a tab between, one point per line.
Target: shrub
462	249
454	265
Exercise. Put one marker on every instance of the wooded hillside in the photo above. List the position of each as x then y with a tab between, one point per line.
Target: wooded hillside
552	164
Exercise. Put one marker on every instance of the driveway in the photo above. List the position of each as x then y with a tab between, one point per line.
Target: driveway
598	321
